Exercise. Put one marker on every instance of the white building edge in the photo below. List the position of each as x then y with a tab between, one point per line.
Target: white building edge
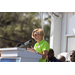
62	36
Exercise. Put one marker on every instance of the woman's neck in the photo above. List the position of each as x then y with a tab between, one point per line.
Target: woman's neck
39	40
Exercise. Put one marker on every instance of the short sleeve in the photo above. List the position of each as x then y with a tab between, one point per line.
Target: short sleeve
45	46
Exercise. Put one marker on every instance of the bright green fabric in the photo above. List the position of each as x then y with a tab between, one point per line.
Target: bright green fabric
40	47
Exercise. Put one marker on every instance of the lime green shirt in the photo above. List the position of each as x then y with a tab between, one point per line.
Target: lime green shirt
40	47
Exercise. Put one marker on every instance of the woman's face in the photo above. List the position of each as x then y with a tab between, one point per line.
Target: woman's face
36	36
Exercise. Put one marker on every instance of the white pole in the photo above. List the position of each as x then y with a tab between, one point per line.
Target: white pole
42	22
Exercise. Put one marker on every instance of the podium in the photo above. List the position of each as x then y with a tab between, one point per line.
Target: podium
17	54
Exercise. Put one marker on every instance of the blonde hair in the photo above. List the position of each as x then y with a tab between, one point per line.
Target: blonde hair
39	31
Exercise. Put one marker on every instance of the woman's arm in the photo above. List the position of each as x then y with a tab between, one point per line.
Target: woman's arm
44	54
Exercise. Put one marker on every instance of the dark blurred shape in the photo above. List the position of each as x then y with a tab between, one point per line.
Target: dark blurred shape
18	45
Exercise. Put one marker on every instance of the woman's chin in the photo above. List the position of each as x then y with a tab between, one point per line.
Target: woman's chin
35	39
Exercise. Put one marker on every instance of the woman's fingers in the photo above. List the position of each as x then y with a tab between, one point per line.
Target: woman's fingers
28	49
31	47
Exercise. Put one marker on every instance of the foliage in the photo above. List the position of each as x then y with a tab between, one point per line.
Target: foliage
19	26
47	27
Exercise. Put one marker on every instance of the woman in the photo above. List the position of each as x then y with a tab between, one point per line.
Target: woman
41	47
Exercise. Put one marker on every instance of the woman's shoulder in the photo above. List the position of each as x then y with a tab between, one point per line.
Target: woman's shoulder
42	42
46	42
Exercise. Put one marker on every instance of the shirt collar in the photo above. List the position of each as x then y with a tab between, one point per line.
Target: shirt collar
41	41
